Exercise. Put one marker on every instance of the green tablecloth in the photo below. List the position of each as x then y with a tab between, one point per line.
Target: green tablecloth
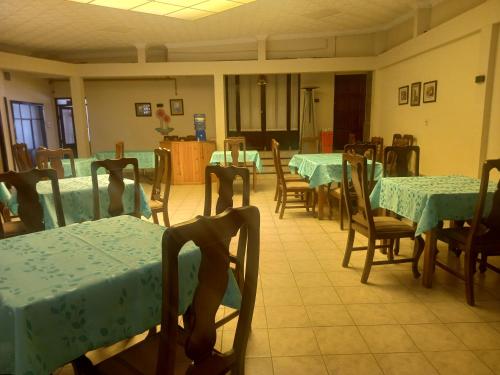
322	169
146	159
69	290
430	199
252	157
82	167
76	197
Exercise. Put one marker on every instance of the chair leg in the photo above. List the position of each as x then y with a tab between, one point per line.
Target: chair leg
469	265
483	264
155	217
341	213
418	249
396	247
307	200
283	203
369	261
276	191
348	248
278	201
166	220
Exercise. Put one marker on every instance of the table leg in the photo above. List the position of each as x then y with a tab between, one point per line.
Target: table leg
321	201
429	254
254	170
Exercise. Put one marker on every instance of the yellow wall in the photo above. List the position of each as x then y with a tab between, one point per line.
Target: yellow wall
493	151
324	92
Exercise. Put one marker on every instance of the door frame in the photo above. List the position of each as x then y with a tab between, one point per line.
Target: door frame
60	131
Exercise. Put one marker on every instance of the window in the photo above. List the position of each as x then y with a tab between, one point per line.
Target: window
29	124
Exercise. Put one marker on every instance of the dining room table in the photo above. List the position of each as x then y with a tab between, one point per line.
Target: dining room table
76	198
321	170
145	158
427	201
82	167
252	156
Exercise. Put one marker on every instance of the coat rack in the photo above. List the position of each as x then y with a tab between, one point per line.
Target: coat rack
309	141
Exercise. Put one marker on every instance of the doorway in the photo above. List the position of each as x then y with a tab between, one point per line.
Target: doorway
29	125
65	124
350	109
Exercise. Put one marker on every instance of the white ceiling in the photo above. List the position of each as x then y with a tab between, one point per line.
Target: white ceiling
44	27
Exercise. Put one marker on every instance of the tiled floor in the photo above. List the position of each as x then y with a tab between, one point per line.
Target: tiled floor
314	317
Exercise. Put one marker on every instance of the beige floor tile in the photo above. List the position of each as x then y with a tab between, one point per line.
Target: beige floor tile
309	279
345	278
340	340
357	294
305	265
292	342
299	365
331	264
453	312
476	336
258	319
287	316
278	280
274	267
457	363
434	337
488	311
491	358
387	339
329	315
405	364
352	364
371	314
282	297
319	295
411	313
258	342
259	366
298	255
394	293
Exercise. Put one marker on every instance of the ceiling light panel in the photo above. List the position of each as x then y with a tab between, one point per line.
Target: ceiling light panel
183	9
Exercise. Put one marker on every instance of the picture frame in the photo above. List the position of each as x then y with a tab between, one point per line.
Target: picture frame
415	91
429	94
176	107
403	95
143	110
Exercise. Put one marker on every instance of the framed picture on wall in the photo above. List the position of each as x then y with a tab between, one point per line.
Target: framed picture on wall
176	107
429	94
403	95
143	109
415	93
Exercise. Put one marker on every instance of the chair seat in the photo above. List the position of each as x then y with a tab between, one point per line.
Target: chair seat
297	185
155	205
489	241
294	178
390	226
13	228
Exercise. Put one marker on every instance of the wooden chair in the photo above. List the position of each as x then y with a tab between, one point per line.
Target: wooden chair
119	150
366	149
21	156
401	161
46	158
157	354
298	190
375	228
116	186
379	142
481	237
162	180
8	226
30	210
235	145
287	178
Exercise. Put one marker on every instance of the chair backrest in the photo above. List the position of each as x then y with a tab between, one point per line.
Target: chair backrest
212	235
46	158
235	145
119	150
405	140
379	142
30	210
162	180
359	182
369	150
226	177
489	225
116	187
275	148
21	156
401	161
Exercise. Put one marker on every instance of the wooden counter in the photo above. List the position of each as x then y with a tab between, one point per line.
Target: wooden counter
189	159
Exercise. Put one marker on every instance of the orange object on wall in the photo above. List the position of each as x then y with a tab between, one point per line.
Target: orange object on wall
326	137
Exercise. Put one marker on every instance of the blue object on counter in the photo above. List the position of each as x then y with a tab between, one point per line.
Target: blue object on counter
200	126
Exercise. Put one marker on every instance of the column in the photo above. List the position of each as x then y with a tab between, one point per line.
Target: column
80	116
220	110
3	121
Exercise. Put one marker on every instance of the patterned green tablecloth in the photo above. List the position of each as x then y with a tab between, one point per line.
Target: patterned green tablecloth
69	290
146	159
76	197
252	157
322	169
430	199
82	167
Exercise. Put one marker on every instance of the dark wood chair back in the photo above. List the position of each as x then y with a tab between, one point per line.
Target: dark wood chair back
119	150
46	158
361	213
162	180
379	142
30	210
116	186
22	157
275	148
402	140
226	177
212	235
401	161
368	150
234	145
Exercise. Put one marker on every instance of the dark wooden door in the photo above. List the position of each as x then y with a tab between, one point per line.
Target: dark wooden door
349	109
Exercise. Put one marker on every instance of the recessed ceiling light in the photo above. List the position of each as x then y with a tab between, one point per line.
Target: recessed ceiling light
183	9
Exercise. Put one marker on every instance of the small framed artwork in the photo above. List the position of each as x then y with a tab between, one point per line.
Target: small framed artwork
403	95
415	93
176	107
143	109
429	94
